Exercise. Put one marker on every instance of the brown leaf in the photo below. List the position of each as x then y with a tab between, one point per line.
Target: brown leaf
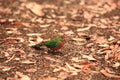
49	78
112	5
35	8
104	72
20	52
13	31
5	10
12	40
117	57
16	23
70	68
64	28
22	76
33	41
10	78
99	40
51	59
45	25
83	29
76	59
34	34
85	67
4	21
31	70
6	69
78	39
69	32
63	75
89	57
27	62
116	65
81	34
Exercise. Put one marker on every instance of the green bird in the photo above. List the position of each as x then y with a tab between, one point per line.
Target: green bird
54	44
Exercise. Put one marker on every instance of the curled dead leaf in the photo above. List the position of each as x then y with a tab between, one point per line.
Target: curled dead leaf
33	41
78	39
31	70
51	59
35	8
49	78
45	25
63	75
89	57
99	40
33	34
83	29
86	66
27	62
69	32
22	76
104	72
13	31
16	23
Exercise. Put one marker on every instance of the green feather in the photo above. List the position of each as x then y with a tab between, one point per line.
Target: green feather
53	42
50	44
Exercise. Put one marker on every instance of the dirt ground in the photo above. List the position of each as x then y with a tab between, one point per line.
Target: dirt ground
92	49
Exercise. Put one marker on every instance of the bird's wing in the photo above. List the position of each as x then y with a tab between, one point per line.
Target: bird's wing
53	43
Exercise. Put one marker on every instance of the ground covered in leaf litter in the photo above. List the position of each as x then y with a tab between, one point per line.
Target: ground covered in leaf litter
92	49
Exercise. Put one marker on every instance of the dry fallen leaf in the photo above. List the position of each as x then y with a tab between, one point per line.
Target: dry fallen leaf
76	59
34	34
78	39
64	28
33	41
117	57
6	69
69	32
111	38
83	29
12	40
5	10
20	52
38	8
104	72
49	78
13	31
112	5
89	57
51	59
99	40
4	22
22	76
14	78
116	65
86	66
15	23
31	70
45	25
71	68
81	34
35	8
27	62
63	75
88	16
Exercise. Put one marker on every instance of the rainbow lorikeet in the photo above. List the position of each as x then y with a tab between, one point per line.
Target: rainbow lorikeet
54	44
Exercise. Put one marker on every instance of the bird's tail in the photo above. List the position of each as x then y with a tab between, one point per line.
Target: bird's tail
37	46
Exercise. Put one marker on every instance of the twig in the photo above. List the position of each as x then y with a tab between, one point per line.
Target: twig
10	58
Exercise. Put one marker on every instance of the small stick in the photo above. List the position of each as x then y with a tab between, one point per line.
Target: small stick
10	58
